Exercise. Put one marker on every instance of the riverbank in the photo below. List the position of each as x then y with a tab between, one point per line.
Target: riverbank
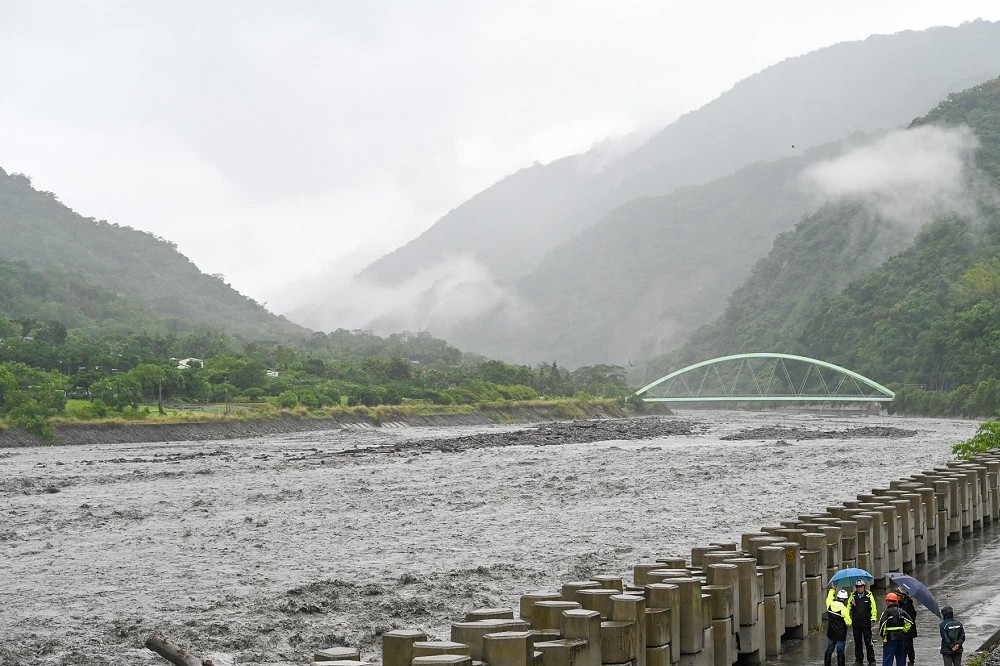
118	432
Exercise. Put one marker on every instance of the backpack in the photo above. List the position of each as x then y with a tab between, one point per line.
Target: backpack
894	617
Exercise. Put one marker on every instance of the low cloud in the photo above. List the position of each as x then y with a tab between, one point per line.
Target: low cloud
907	176
436	300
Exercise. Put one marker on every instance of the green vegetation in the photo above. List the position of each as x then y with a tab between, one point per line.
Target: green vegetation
52	374
97	322
157	286
987	437
925	321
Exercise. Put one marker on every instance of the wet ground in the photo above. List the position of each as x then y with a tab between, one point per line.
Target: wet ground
263	550
964	577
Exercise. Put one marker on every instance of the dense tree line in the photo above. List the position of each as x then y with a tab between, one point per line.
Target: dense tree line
42	363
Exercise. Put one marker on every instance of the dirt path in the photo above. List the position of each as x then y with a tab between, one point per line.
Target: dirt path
263	550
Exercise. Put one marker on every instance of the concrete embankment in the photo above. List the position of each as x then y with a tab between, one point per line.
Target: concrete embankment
122	433
760	600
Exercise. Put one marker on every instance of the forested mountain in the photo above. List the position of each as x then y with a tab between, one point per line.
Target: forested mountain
652	271
928	316
36	297
147	271
578	214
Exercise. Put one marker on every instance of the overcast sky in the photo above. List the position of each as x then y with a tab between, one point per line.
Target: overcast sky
277	141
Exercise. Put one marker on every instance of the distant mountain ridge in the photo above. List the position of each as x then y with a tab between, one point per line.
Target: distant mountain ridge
549	234
929	315
163	286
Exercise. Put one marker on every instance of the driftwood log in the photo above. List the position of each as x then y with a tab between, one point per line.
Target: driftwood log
175	654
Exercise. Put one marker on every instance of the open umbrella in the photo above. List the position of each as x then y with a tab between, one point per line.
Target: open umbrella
847	577
916	589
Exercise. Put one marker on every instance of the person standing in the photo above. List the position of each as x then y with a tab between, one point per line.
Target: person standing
892	627
952	637
864	616
838	619
906	603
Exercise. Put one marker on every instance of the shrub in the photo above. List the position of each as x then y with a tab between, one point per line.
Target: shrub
986	438
287	399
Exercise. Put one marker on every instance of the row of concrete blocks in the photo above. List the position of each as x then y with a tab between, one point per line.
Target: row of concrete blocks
733	602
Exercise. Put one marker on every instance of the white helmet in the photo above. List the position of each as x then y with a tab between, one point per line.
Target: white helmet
842	594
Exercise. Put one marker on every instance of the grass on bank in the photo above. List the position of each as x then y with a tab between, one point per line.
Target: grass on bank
81	412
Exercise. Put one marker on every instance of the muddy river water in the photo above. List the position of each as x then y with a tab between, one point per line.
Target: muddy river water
263	550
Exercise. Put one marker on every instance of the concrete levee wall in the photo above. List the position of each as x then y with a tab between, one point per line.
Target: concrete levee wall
729	603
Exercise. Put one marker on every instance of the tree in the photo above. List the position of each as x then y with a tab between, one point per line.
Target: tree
27	325
151	379
118	391
54	332
8	385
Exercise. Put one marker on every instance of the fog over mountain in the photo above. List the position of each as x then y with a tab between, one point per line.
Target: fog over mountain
622	252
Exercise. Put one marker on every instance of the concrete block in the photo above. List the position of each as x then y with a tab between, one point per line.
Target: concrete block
442	660
471	633
724	642
658	621
570	588
489	614
337	654
428	648
618	641
528	600
508	648
658	656
796	620
705	657
632	608
397	646
548	614
597	599
562	652
774	625
610	582
584	625
752	635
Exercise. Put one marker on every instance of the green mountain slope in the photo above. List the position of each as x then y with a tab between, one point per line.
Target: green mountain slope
55	296
928	315
649	273
879	83
148	271
582	234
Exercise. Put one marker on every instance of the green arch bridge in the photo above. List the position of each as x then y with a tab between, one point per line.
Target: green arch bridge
764	377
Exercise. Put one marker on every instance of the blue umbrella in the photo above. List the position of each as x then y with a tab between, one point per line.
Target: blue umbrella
916	589
847	577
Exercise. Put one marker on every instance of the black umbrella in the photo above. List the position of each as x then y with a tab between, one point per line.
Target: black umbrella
917	590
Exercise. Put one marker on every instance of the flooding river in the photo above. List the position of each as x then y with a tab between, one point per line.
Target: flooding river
263	550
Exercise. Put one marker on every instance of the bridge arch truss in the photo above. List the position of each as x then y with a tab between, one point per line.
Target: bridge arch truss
764	377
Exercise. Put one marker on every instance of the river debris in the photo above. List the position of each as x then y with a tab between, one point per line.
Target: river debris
784	433
544	434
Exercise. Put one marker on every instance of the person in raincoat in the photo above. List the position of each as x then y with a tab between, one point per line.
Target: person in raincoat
838	619
952	637
893	626
906	603
864	616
